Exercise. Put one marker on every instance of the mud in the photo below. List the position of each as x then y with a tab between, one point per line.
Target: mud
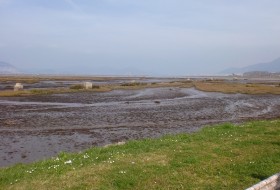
38	127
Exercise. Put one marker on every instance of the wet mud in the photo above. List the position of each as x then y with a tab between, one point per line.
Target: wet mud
38	127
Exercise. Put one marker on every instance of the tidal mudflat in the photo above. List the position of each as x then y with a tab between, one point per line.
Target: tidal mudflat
38	127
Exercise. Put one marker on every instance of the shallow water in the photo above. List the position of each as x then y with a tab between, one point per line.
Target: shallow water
38	127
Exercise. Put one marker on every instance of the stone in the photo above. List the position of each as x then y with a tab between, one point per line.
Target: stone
18	86
87	85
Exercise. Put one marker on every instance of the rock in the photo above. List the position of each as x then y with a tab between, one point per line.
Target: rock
115	144
87	85
18	87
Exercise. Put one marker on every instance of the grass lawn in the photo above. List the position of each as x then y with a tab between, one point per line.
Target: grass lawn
226	156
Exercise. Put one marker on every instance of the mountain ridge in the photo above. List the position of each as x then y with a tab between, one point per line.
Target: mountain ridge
7	68
273	66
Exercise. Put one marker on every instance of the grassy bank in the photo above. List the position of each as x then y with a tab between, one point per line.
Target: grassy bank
219	157
48	91
225	87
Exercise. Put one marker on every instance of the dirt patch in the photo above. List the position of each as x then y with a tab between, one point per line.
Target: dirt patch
38	127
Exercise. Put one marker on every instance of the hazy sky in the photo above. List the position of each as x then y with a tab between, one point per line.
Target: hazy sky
166	37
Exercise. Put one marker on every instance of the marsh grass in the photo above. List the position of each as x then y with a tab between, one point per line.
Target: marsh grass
226	156
48	91
15	79
10	93
226	87
180	84
217	85
76	87
134	84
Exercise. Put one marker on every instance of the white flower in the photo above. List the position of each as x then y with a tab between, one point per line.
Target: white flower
68	162
86	156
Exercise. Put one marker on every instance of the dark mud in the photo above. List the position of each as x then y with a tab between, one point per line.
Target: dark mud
39	127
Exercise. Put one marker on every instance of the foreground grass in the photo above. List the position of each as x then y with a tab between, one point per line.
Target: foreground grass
220	157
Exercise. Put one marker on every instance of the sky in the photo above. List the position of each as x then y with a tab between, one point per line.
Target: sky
138	37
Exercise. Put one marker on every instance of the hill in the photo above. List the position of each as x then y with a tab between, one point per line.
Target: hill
273	66
6	68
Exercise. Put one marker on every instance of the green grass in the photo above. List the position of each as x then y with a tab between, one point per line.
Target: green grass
226	156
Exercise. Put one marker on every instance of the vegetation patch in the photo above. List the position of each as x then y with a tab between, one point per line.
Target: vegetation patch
208	85
76	87
133	84
227	87
225	156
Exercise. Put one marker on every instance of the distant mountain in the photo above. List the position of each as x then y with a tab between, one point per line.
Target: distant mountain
6	68
261	74
273	66
42	71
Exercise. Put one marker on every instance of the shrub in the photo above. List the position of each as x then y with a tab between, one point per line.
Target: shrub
76	87
133	84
